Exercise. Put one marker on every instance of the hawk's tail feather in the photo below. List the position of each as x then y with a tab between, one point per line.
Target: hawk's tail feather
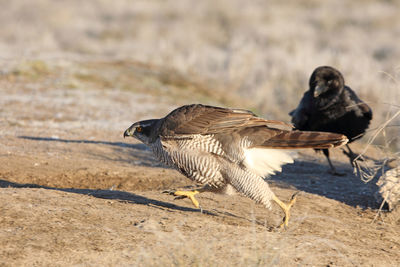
304	139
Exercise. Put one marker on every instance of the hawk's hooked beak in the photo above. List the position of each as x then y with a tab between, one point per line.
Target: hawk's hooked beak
128	132
319	89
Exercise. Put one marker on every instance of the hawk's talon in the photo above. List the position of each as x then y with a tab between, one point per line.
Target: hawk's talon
169	192
188	194
286	209
293	198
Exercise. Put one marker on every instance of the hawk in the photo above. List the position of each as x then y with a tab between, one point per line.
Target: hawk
227	148
331	106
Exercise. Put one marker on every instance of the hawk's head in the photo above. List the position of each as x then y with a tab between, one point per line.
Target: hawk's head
143	131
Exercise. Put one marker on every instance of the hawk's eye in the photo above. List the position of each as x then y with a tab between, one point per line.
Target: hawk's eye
139	129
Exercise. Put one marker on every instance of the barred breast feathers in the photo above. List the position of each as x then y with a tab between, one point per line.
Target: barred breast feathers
249	184
260	161
191	155
161	151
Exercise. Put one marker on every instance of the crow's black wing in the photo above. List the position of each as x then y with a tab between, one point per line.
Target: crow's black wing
301	114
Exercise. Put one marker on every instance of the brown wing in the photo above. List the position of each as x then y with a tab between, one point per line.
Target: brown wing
231	126
202	119
303	139
264	137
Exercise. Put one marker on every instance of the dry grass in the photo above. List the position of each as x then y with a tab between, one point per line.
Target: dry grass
367	169
262	52
78	73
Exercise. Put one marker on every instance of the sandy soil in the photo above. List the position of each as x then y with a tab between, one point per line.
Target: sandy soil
74	192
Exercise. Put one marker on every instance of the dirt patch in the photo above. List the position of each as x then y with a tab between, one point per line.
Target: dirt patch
74	192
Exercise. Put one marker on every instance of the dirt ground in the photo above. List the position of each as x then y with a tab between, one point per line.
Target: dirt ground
74	192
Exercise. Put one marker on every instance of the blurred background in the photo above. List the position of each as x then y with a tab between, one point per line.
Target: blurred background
251	54
75	74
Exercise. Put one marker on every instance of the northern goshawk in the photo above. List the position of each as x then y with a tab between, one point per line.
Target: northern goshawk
224	148
331	106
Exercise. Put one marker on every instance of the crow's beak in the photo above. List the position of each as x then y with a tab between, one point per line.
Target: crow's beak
319	89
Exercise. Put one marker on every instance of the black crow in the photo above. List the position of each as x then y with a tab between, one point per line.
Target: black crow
331	106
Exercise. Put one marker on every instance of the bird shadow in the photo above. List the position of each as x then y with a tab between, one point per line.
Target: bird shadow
305	175
83	141
138	154
107	194
314	178
126	197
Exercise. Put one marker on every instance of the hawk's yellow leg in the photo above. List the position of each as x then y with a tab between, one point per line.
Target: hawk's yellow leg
286	209
190	195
